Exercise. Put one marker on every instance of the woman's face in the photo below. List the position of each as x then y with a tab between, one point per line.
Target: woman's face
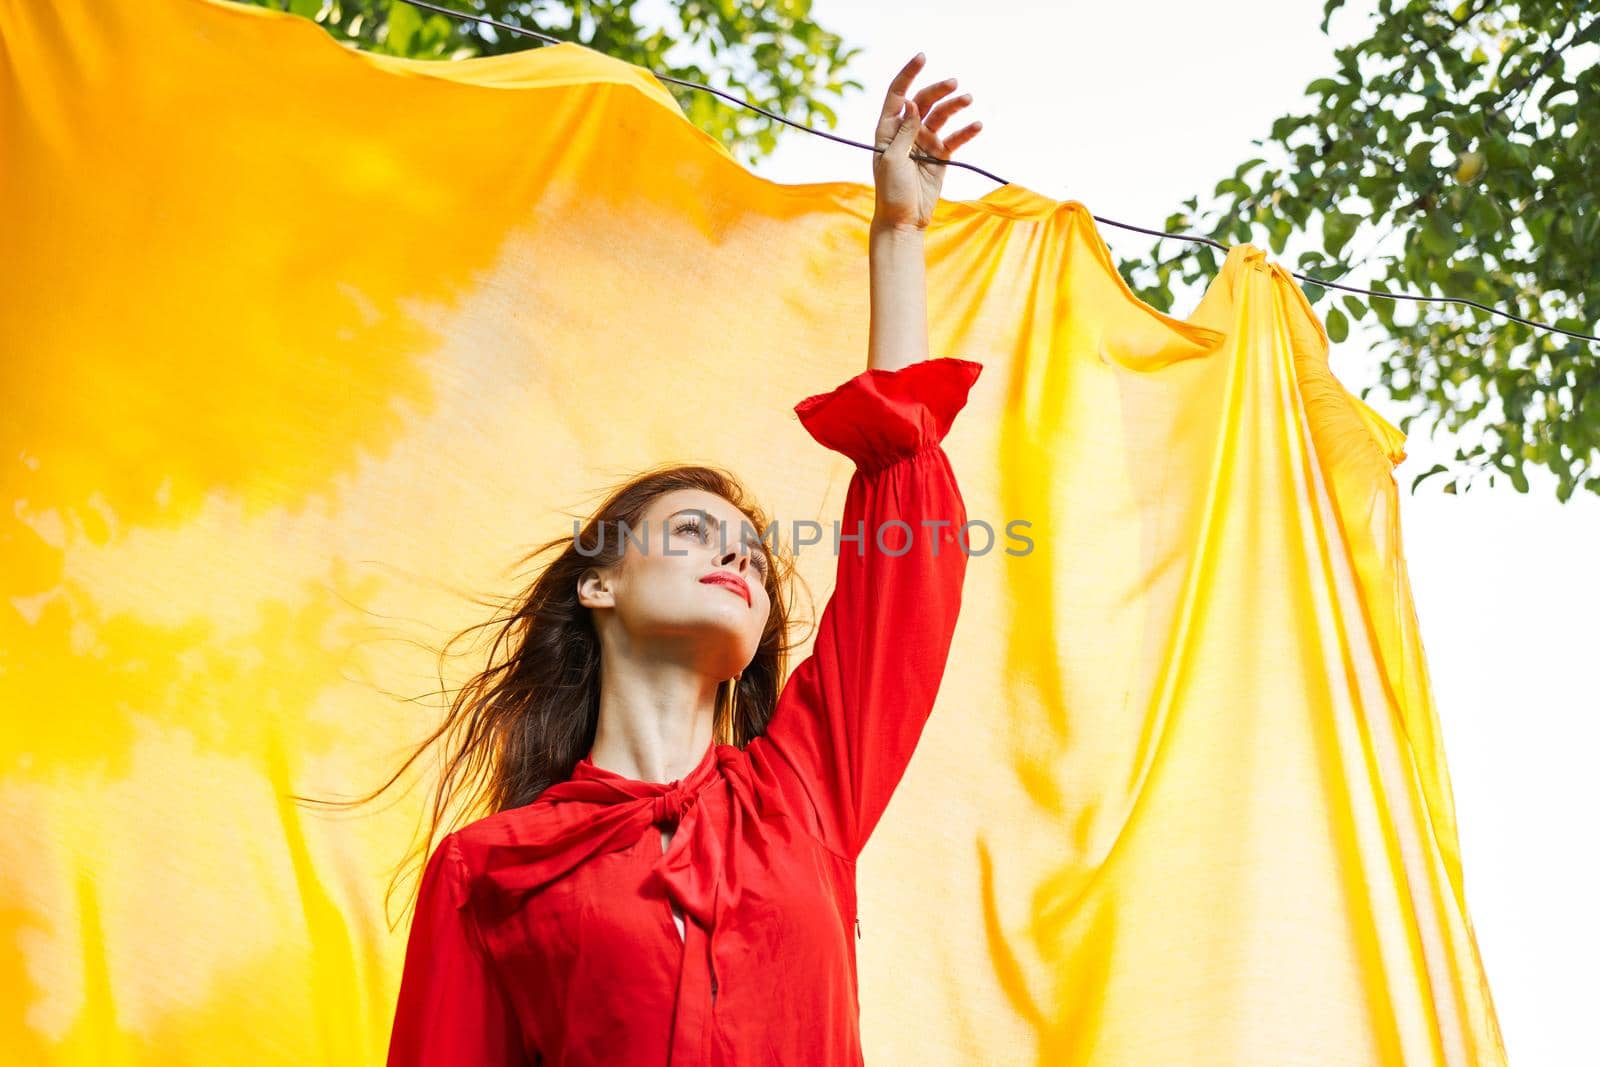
691	583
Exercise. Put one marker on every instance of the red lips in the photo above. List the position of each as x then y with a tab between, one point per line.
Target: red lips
732	581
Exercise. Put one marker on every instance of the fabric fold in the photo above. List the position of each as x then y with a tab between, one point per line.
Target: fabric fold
596	811
880	416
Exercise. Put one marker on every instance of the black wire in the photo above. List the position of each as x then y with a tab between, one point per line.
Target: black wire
1326	283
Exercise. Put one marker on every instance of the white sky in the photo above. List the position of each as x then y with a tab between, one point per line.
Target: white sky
1131	108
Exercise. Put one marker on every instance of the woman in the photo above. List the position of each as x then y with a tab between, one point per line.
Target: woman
670	873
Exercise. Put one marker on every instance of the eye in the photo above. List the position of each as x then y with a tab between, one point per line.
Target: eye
690	525
693	525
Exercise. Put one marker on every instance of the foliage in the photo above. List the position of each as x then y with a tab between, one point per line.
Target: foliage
1463	127
766	51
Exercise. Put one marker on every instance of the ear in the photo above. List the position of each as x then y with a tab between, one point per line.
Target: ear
594	589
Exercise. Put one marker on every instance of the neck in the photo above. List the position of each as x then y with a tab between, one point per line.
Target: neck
655	718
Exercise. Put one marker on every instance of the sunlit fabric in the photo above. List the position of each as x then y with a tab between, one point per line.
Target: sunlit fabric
301	348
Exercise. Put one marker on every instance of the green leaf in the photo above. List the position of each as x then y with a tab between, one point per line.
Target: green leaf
1437	468
1328	10
1438	234
1418	158
1338	326
1357	306
1588	228
1485	216
1383	308
1497	150
1278	232
404	22
1337	229
1538	226
1282	128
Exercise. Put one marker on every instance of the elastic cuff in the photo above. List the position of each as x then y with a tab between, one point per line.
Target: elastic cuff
880	416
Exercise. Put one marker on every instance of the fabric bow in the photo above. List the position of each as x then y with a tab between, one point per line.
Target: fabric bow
596	811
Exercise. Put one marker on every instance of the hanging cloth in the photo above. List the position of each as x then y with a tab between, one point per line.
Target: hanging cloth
302	345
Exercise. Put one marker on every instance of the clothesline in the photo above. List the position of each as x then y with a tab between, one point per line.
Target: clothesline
1324	282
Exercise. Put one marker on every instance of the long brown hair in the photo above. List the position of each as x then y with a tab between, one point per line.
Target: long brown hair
522	722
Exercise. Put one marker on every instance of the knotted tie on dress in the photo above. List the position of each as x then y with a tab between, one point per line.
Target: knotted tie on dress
596	811
668	808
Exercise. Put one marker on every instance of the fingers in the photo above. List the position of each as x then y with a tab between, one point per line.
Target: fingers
961	137
930	95
906	135
928	138
939	115
899	86
906	120
895	98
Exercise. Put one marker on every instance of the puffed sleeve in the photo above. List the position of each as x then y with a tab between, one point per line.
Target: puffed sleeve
451	1008
851	713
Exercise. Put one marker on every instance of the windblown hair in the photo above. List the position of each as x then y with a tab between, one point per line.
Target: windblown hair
521	723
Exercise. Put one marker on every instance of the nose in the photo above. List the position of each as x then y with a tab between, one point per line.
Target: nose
738	556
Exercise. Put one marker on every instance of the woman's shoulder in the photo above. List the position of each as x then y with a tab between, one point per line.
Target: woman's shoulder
475	840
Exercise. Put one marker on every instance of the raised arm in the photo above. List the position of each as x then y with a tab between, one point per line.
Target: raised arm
906	192
451	1008
851	713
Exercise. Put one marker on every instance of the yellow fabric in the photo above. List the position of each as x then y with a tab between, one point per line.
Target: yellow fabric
302	345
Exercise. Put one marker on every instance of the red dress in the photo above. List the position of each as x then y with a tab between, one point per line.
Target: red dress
544	934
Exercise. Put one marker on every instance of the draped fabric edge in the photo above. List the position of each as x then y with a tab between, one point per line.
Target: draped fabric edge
539	66
569	63
1357	449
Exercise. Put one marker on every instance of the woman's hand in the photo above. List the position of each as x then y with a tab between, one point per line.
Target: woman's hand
908	189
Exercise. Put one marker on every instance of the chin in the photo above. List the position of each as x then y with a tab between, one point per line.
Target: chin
732	635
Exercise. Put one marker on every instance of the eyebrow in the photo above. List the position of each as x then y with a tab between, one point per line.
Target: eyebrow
750	538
